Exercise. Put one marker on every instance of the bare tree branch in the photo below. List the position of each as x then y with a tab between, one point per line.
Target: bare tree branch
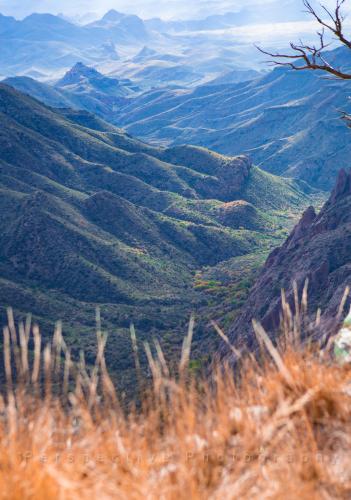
346	117
310	57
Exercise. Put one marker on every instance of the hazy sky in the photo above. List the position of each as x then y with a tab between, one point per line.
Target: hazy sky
144	8
167	9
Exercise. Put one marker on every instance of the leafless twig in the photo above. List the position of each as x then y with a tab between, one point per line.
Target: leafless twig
311	57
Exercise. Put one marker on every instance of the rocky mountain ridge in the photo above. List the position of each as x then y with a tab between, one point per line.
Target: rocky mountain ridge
318	250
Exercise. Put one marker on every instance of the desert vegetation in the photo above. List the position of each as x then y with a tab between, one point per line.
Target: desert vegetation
271	426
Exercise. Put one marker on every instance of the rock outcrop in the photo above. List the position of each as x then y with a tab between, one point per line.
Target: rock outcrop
317	250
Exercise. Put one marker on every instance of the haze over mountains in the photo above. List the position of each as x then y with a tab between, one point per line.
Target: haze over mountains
82	88
287	122
44	45
88	10
93	215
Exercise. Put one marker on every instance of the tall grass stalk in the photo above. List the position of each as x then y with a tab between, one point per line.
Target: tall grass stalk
279	430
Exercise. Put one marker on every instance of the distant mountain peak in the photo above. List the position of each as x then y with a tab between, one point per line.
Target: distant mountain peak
113	16
132	21
101	92
46	18
77	73
127	24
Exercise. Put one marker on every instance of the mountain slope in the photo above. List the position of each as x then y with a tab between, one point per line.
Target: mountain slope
91	216
287	121
317	250
81	87
83	79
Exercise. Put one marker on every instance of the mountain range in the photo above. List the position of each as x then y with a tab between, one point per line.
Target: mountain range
288	122
273	11
44	46
41	44
91	216
83	87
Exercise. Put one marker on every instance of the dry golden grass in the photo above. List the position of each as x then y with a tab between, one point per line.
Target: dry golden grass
282	431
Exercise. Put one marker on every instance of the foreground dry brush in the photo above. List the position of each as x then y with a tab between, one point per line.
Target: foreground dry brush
283	430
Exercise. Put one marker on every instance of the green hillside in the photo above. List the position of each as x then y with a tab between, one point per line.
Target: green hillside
91	216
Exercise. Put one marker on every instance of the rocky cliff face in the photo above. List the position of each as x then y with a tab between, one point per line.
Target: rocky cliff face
225	176
318	249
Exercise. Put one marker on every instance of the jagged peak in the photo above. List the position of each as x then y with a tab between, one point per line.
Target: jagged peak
113	15
78	71
327	218
342	187
308	218
82	68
